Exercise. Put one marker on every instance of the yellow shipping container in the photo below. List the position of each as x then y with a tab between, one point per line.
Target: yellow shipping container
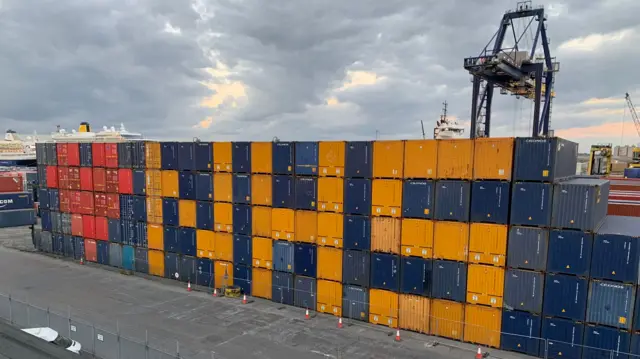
261	190
386	198
385	234
330	229
205	243
222	187
262	252
383	307
417	237
170	186
261	283
223	217
329	297
261	221
493	158
153	183
187	213
482	325
154	210
155	237
485	285
447	319
306	226
152	155
222	157
451	240
455	159
261	158
223	273
330	263
331	158
420	158
156	262
223	244
388	159
414	313
330	194
283	224
488	243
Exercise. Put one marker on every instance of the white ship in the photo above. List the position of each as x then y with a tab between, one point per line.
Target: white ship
84	134
447	128
18	150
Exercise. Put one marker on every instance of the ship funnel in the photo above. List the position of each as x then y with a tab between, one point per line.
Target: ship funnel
84	127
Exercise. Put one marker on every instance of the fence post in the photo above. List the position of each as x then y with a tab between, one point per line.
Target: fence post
28	313
48	318
146	344
118	338
10	310
546	348
611	354
93	332
177	349
69	320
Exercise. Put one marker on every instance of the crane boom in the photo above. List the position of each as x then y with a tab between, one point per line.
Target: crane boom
634	114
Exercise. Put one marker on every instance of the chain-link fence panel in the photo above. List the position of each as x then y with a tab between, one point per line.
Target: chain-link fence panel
38	317
59	324
19	313
130	349
106	344
82	333
157	354
5	308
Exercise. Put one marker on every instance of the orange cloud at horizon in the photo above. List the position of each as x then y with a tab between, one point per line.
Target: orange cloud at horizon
609	129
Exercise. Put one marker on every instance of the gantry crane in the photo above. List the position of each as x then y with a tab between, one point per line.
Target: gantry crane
634	116
513	71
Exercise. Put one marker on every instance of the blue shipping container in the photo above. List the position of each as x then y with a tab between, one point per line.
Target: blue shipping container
203	152
305	261
125	155
242	249
521	332
544	159
305	292
355	302
67	246
283	253
170	211
18	200
601	342
306	158
417	198
141	239
635	338
127	232
187	239
204	272
43	198
45	220
242	188
564	338
187	269
531	204
611	304
204	187
359	159
102	249
415	276
385	271
58	244
126	206
632	173
142	260
115	231
523	290
636	312
139	183
527	248
570	252
357	196
204	215
242	219
54	199
490	201
187	185
46	242
169	155
449	280
283	191
282	158
128	258
580	203
171	265
241	157
186	156
356	267
171	242
78	247
453	200
242	277
86	158
306	192
565	296
138	155
140	208
282	287
615	250
356	232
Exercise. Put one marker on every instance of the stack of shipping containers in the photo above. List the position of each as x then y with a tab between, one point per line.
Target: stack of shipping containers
484	240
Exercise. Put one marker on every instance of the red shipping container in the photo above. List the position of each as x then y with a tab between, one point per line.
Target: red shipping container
75	202
89	226
52	177
90	250
65	200
15	182
76	225
102	228
111	155
61	152
113	205
627	210
125	181
73	154
97	154
112	181
74	178
99	180
100	204
86	203
86	179
63	177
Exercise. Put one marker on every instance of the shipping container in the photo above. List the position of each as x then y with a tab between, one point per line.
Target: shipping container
241	157
111	182
493	158
330	229
187	213
203	186
565	296
154	180
359	159
261	187
186	156
223	273
385	234
67	246
9	184
331	158
52	153
154	210
204	215
56	222
420	158
222	156
488	243
170	184
329	297
261	252
169	156
241	188
282	288
386	198
89	227
329	264
485	285
156	262
261	221
388	159
242	245
242	219
616	245
544	159
63	178
414	313
580	203
98	155
111	155
418	198
101	228
102	249
126	207
283	224
330	194
283	192
356	266
222	187
482	325
523	290
138	150
19	200
449	280
45	220
91	250
490	202
187	269
171	266
417	238
527	248
357	196
569	252
305	292
140	208
261	160
355	302
611	304
383	307
306	226
128	232
415	276
306	158
42	177
601	342
283	157
170	214
78	248
451	241
171	241
455	159
453	200
66	220
115	254
203	154
187	185
99	179
531	204
76	225
564	338
223	217
141	261
204	272
86	179
357	232
223	244
306	193
636	313
125	155
187	240
261	278
139	182
17	218
521	332
305	259
447	319
205	244
141	237
385	271
156	236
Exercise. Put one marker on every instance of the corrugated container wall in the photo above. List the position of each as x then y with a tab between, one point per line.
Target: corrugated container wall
418	198
186	156
357	196
283	256
388	159
357	232
329	297
306	158
453	200
544	159
355	302
169	155
223	187
305	292
330	194
125	155
223	217
138	155
282	288
455	159
385	234
241	188
420	158
488	243
111	155
565	337
385	271
414	313
356	267
528	247
521	332
416	275
330	229
451	241
523	290
306	226
531	204
152	155
330	264
261	221
241	157
261	282
386	198
222	156
482	325
283	157
331	158
490	201
493	158
383	307
611	304
580	203
449	280
617	248
570	252
306	190
565	296
261	161
359	159
485	285
203	156
447	319
601	341
86	160
417	238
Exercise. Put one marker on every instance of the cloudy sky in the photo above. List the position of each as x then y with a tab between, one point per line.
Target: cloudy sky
300	69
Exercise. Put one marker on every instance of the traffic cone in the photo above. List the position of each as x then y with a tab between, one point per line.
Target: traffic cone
81	260
189	286
244	299
340	323
398	335
479	354
215	292
306	314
